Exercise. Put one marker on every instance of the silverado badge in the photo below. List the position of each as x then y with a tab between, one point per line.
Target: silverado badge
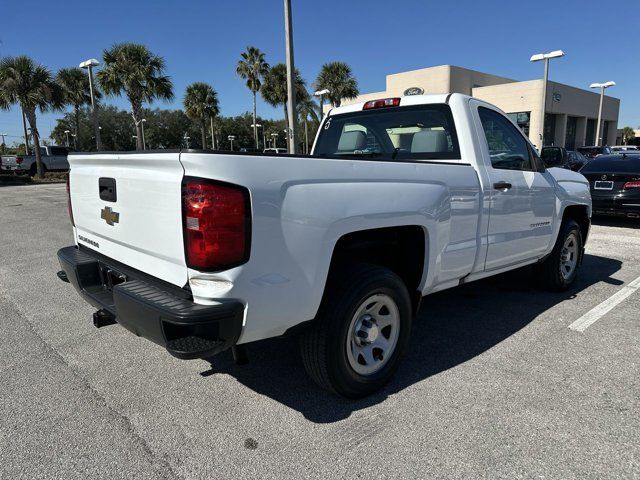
109	216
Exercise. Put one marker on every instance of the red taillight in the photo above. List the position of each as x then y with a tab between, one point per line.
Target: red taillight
634	184
383	103
216	224
19	160
69	198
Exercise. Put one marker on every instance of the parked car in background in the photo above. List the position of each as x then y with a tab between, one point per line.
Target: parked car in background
593	151
625	148
561	157
615	184
401	198
53	158
576	160
10	162
275	150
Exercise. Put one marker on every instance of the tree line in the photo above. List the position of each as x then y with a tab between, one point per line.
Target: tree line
133	71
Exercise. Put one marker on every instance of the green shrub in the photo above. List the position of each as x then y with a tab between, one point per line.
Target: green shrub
51	177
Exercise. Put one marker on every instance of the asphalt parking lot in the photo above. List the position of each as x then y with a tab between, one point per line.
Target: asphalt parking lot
495	383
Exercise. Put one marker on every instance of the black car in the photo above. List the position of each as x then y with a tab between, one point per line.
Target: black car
615	184
593	152
576	160
563	158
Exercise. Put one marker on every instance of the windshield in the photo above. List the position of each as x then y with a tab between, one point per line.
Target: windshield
397	133
591	150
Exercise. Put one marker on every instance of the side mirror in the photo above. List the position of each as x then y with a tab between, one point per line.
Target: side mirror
553	157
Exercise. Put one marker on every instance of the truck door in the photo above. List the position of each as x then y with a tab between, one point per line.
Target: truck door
522	205
58	158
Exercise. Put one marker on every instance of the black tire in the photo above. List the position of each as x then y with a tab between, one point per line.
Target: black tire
549	271
324	345
33	170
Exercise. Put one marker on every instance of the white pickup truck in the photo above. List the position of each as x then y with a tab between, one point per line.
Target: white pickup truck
201	251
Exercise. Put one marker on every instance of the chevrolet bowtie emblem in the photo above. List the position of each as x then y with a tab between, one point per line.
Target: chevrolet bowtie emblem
109	216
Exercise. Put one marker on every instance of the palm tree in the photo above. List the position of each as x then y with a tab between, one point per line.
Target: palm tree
339	80
24	82
253	68
628	134
132	69
201	104
274	89
75	92
306	108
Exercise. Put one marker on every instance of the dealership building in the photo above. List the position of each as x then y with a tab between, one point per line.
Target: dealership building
571	113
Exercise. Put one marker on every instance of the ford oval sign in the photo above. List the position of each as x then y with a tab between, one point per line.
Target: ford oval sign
413	91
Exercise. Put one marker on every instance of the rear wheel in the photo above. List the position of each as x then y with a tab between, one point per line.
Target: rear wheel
33	170
360	333
560	269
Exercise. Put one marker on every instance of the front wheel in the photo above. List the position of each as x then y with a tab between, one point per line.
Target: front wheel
360	333
560	269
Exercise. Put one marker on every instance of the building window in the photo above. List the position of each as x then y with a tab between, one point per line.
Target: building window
590	138
605	133
570	135
549	129
522	119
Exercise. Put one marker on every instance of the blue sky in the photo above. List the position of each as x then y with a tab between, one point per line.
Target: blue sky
202	40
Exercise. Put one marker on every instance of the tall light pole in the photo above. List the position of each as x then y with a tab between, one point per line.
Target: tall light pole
602	87
546	57
89	64
258	125
136	123
231	138
144	144
320	94
213	138
291	91
26	135
66	132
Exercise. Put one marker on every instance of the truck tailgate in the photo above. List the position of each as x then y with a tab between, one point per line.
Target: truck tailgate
128	208
8	162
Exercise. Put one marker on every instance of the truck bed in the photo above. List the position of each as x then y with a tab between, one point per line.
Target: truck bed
300	208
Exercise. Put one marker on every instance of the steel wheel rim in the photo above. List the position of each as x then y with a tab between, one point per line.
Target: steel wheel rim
569	256
373	334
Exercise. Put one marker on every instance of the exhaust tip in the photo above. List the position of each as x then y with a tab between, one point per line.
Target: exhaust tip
62	275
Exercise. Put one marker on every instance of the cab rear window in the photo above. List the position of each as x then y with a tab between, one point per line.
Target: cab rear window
421	132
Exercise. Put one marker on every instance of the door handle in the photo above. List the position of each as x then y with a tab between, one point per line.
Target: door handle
502	185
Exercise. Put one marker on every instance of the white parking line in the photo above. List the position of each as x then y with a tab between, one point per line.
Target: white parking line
597	312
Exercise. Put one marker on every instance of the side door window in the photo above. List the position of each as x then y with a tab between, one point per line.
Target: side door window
508	149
